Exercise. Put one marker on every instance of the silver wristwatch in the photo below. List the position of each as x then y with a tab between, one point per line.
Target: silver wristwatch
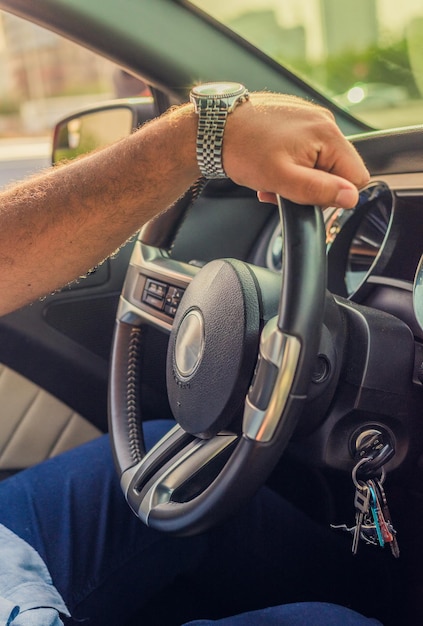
213	102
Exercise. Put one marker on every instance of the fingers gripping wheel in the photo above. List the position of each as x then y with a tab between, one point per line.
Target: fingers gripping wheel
236	390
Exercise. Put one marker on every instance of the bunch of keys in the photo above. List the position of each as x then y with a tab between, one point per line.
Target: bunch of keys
373	522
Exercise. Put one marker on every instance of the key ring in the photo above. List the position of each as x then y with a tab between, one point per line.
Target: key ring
359	484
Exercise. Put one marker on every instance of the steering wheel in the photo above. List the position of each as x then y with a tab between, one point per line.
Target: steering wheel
241	350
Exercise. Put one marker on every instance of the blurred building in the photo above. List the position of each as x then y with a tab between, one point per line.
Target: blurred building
348	26
262	28
42	64
45	77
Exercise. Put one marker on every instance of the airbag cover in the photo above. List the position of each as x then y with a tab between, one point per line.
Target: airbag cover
213	347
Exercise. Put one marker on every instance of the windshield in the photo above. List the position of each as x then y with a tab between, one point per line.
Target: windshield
366	55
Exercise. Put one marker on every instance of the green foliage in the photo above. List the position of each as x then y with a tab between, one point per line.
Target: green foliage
389	65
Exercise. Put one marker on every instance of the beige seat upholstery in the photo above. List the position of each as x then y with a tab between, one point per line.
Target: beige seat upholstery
34	425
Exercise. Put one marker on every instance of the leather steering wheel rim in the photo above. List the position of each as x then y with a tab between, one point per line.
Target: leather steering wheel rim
191	480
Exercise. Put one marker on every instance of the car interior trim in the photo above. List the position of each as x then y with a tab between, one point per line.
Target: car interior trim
36	425
194	459
129	474
375	279
155	260
283	351
402	184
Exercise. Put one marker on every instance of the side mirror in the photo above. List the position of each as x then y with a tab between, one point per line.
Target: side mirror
99	126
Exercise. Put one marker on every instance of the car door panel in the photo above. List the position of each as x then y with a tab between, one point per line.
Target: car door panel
35	425
61	343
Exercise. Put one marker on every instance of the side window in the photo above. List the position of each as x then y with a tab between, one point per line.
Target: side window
45	77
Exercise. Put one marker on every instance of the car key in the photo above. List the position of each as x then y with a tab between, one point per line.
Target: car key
361	504
392	540
382	530
383	523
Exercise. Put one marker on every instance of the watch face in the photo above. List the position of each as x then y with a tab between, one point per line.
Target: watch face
218	90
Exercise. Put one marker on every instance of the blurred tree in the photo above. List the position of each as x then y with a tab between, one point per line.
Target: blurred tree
388	64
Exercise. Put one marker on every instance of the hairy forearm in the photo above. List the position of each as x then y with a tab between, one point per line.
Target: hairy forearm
56	227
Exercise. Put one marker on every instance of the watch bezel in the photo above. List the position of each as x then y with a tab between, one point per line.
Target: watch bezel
217	91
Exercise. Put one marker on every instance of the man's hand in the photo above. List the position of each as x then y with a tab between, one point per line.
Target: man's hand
282	144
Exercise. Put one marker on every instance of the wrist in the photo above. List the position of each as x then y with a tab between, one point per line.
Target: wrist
173	136
183	121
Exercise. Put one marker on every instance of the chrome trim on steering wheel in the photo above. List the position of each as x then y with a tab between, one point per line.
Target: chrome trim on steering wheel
129	475
127	310
156	260
196	457
282	351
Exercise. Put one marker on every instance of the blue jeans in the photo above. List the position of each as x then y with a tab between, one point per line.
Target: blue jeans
297	614
107	565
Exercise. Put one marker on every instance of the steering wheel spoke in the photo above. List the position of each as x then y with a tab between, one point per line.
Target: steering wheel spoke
154	286
176	470
268	396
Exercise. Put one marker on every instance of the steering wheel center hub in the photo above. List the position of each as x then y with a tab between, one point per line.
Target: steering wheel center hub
213	347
